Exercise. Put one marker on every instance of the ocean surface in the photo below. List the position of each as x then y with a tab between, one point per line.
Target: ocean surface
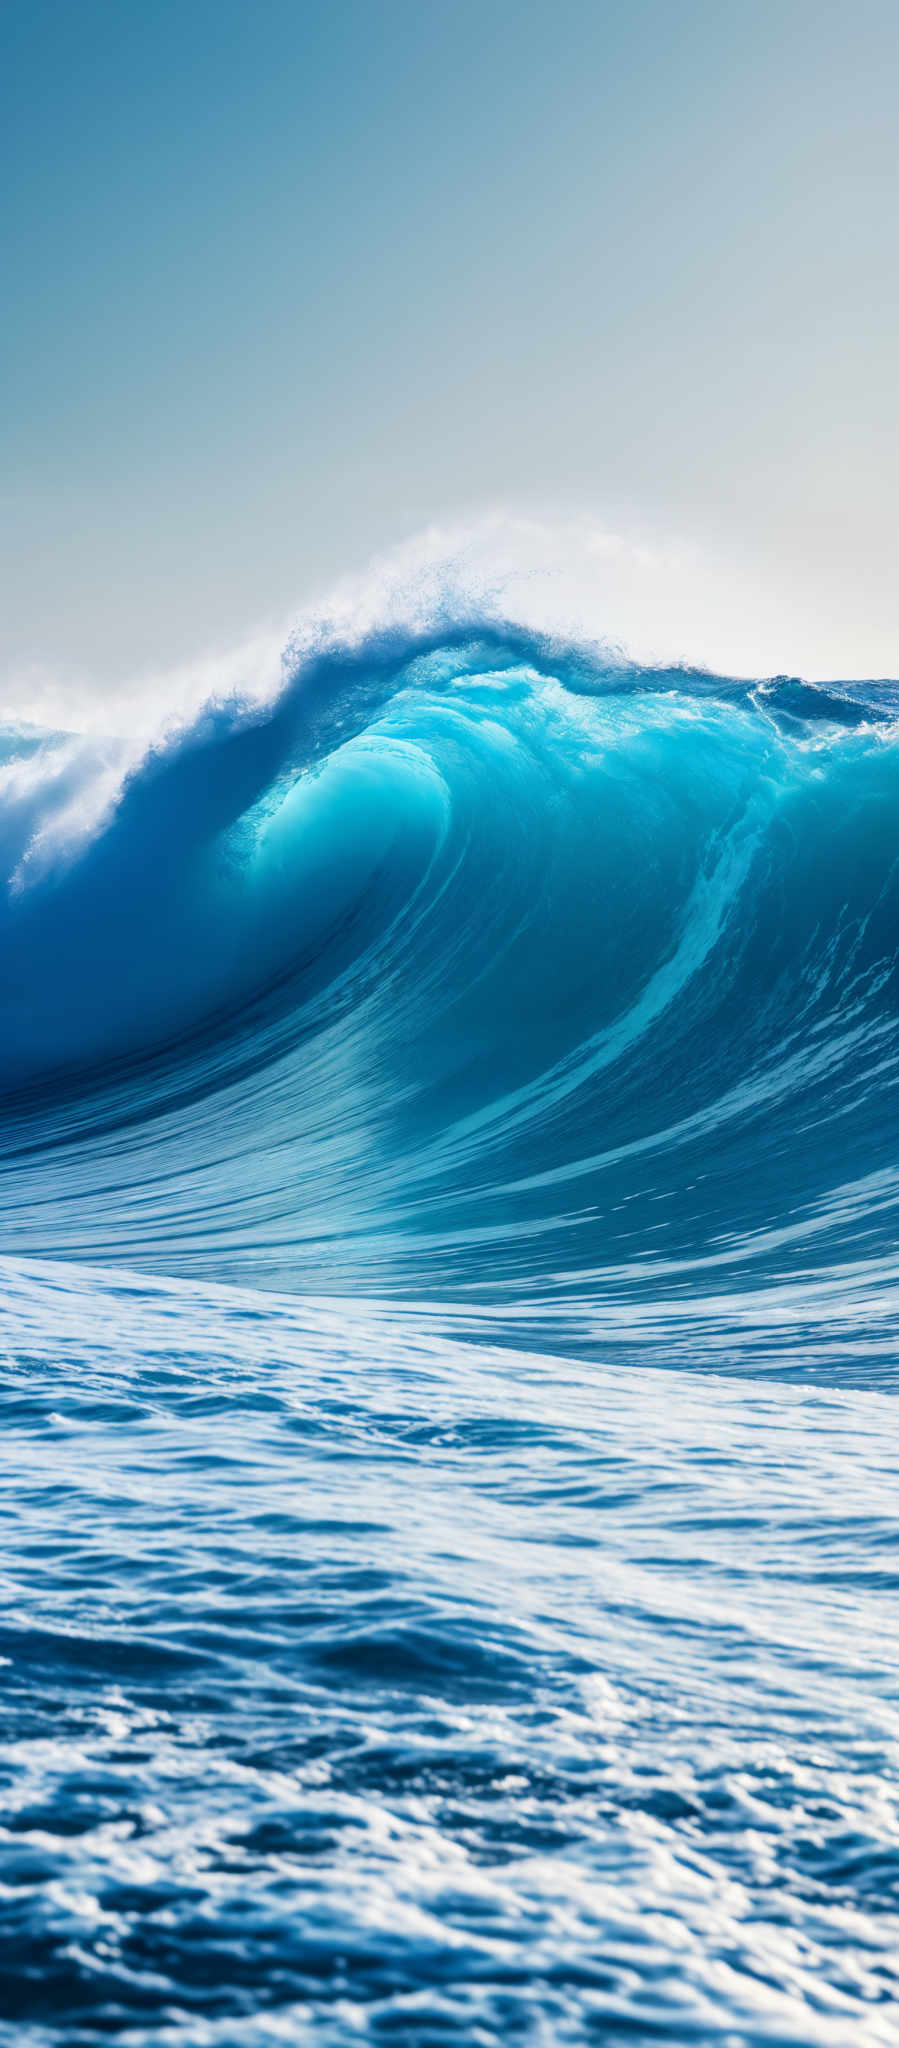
449	1322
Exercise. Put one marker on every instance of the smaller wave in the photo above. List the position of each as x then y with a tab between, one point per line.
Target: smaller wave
452	1693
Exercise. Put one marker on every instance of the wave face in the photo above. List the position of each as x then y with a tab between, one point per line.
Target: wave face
475	970
449	1181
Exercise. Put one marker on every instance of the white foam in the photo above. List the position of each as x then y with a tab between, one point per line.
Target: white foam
659	601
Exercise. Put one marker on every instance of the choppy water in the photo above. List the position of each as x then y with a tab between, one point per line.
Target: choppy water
449	1178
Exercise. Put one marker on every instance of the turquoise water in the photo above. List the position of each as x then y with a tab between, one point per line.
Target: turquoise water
449	1184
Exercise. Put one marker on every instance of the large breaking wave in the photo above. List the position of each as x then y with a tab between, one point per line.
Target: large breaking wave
477	968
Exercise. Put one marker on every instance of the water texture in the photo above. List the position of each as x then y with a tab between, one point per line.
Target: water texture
449	1182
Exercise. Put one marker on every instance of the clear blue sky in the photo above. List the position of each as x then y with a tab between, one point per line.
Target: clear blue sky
284	282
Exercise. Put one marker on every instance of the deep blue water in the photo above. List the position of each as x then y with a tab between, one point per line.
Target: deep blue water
449	1180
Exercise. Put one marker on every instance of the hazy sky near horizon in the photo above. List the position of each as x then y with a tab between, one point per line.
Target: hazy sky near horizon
287	282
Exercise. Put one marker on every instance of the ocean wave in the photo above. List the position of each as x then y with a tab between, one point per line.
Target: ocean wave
478	963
